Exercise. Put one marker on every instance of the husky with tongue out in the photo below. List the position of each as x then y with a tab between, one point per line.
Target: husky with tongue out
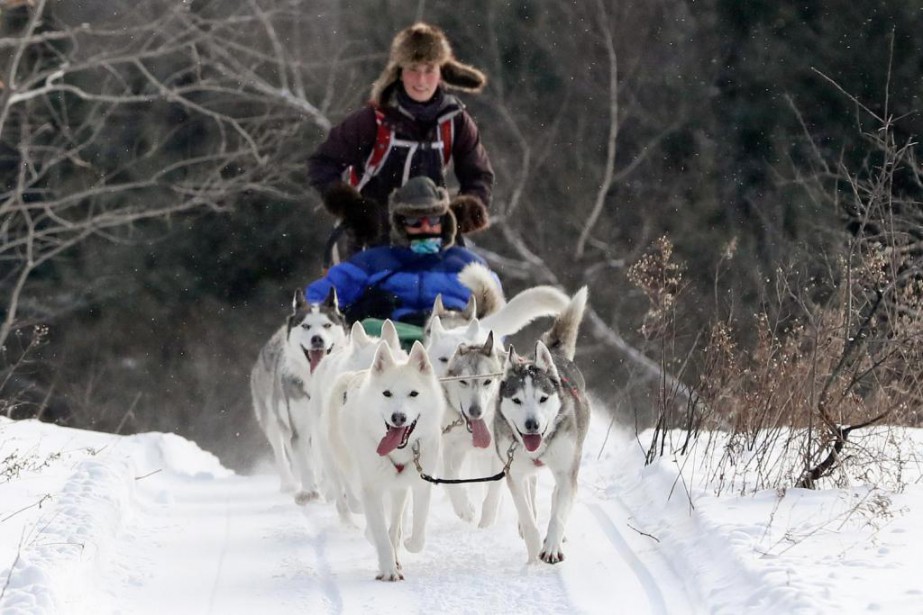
280	380
380	422
471	383
543	414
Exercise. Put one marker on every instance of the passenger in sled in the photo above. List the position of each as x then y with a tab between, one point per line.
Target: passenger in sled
411	126
401	281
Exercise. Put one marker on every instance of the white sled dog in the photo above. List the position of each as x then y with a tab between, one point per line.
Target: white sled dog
382	423
280	379
509	318
486	298
471	384
543	414
356	354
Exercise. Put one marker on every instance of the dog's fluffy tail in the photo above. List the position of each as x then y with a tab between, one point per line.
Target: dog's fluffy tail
525	307
485	288
561	338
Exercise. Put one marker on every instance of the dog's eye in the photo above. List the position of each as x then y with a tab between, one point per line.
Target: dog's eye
327	325
413	393
306	327
487	382
386	393
464	383
542	399
444	359
517	401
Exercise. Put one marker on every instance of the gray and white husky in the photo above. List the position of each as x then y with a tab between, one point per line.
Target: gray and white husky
470	385
280	379
543	416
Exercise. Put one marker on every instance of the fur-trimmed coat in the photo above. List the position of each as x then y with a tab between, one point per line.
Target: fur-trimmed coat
351	142
414	279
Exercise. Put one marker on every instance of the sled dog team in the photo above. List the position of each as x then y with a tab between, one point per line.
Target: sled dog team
359	420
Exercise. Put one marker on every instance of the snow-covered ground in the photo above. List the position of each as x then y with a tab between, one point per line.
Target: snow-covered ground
97	523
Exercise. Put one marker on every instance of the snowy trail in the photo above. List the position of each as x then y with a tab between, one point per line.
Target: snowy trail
235	545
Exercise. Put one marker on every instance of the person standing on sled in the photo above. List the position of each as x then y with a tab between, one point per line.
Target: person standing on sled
401	281
411	127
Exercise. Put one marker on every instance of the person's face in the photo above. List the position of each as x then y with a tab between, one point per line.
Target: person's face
420	80
423	225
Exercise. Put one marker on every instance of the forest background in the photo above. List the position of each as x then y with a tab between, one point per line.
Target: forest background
737	183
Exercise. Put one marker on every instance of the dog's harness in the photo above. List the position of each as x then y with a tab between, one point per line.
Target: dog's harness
460	481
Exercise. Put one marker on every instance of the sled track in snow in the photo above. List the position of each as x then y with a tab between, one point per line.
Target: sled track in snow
645	578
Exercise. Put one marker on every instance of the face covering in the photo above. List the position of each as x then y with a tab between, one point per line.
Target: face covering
429	245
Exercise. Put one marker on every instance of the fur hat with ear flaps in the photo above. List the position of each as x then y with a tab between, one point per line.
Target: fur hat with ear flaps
420	196
427	44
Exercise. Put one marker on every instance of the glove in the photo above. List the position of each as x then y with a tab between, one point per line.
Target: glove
356	213
470	213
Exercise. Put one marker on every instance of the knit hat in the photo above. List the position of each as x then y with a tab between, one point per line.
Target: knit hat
420	196
424	43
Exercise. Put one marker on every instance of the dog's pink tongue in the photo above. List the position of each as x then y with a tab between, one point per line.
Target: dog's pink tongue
532	441
479	434
391	440
314	358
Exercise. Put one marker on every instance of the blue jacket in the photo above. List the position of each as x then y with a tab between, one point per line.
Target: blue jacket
415	279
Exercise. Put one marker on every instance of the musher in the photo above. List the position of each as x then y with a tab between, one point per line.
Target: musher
411	127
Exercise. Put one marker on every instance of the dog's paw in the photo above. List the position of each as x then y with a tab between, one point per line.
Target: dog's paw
390	575
552	553
552	557
303	497
464	509
415	544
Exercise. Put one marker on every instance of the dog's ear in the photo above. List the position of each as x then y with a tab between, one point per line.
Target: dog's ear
419	358
389	334
471	308
438	306
298	301
473	329
488	344
544	361
357	333
383	358
511	358
331	300
435	327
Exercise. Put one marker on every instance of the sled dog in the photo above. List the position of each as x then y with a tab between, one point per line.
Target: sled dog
280	379
487	304
355	354
382	422
543	414
512	316
471	383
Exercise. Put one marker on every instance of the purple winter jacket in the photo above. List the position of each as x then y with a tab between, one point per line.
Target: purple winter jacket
350	144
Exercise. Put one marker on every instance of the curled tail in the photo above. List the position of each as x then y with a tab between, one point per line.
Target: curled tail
561	338
484	287
525	307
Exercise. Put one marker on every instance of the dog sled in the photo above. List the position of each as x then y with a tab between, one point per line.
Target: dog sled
375	305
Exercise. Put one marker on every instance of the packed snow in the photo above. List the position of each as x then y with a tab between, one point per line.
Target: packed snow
99	523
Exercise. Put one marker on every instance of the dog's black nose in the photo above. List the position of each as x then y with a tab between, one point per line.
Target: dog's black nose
475	411
398	419
317	341
531	425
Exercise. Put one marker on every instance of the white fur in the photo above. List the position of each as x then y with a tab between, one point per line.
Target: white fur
356	354
279	383
364	405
